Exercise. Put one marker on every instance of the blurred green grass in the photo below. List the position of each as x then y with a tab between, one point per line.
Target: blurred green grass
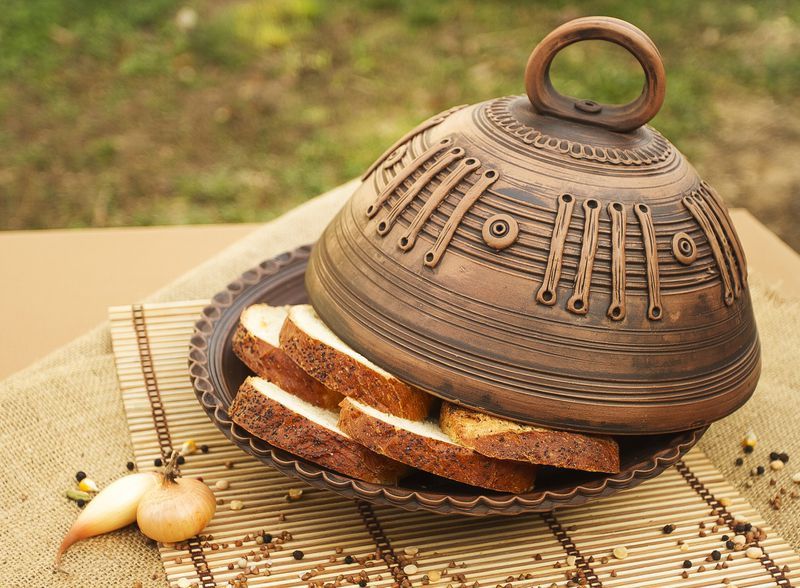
142	112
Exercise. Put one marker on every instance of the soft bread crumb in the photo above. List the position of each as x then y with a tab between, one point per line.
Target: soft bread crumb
265	321
321	416
307	320
428	429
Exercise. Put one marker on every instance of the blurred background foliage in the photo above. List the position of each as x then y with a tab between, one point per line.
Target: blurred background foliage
140	112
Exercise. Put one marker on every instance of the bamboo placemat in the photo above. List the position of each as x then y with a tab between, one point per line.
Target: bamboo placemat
386	545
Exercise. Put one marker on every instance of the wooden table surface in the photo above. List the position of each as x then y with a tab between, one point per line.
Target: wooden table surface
58	284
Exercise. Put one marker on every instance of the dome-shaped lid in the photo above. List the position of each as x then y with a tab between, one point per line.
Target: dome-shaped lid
547	259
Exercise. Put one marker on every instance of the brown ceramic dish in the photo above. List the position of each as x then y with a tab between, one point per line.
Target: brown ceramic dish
216	374
547	259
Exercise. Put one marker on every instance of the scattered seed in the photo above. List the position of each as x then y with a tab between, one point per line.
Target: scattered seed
701	569
668	529
297	554
78	495
620	552
410	569
571	559
181	460
749	440
158	462
294	494
716	555
684	547
241	563
348	559
204	448
739	461
237	505
725	501
754	552
784	457
739	540
188	447
760	470
130	465
687	563
776	464
435	576
730	544
184	583
222	485
80	502
685	574
748	449
266	538
228	465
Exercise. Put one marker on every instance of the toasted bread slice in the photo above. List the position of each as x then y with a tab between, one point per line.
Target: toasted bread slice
423	445
256	343
286	421
504	439
317	349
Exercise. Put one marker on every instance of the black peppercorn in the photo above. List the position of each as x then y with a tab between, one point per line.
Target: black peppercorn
739	461
157	462
760	470
687	563
725	538
204	448
80	475
729	544
748	527
668	529
130	465
80	502
349	559
784	457
267	537
748	449
716	555
362	583
297	554
774	455
181	460
739	529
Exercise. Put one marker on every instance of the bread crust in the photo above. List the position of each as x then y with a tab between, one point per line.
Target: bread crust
504	439
269	420
342	373
444	459
272	363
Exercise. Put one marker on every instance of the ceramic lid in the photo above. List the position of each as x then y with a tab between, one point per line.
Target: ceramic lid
548	259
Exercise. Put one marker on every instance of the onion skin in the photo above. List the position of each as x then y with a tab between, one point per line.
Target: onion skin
176	510
113	508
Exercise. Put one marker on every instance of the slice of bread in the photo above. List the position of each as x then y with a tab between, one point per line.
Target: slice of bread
256	343
317	349
286	421
503	439
423	445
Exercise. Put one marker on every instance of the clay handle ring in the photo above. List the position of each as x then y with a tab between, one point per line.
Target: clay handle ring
623	117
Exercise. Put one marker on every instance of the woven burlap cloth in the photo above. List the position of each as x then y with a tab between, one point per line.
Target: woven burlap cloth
65	413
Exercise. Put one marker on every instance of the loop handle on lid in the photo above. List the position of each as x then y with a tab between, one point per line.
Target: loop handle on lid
622	118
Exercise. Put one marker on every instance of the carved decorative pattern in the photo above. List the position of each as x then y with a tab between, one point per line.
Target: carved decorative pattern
448	180
433	256
404	174
499	113
391	151
548	291
616	309
465	167
684	248
715	203
385	225
579	301
500	231
654	309
717	240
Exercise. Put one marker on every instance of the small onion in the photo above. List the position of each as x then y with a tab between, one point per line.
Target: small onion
113	508
176	508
